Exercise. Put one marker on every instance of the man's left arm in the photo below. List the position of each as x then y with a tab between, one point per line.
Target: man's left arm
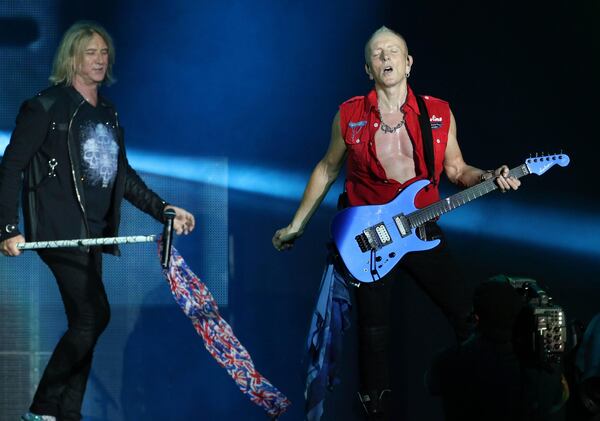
462	174
143	198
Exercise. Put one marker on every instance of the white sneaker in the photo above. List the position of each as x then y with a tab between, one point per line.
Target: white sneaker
33	417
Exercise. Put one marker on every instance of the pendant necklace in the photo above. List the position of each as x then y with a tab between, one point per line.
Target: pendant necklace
388	129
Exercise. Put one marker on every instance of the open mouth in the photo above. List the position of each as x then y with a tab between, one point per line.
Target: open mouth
388	69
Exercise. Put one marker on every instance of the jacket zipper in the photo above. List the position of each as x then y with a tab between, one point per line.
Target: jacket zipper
85	222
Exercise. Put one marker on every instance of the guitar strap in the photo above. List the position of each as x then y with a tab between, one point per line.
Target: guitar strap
427	139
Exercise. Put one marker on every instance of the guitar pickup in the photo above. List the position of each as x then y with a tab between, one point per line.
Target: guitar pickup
403	225
373	238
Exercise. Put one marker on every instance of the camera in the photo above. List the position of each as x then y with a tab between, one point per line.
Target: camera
541	330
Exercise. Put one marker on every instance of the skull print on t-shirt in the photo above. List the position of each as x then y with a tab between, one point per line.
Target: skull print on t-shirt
97	138
99	152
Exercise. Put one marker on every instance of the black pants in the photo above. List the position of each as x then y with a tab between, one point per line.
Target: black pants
79	278
437	274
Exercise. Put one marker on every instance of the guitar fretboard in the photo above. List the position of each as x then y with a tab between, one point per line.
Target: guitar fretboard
419	217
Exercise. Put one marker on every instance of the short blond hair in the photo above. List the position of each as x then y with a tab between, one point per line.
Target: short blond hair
381	30
71	48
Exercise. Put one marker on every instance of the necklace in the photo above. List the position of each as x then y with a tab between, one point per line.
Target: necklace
388	129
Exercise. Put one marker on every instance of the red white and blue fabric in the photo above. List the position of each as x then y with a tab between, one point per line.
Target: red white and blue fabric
330	320
199	305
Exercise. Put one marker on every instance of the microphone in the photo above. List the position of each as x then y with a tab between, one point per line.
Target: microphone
167	238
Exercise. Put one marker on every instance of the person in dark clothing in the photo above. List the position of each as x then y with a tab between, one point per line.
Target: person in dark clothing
484	378
583	373
67	156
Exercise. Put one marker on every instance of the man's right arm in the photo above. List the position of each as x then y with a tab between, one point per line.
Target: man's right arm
27	138
321	179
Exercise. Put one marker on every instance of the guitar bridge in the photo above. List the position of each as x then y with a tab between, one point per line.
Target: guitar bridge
363	242
373	238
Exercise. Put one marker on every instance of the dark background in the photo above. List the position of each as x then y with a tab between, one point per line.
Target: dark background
259	83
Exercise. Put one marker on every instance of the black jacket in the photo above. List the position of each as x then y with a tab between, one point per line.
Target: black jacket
43	154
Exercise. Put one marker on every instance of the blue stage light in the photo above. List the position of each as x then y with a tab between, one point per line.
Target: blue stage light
538	225
4	138
512	221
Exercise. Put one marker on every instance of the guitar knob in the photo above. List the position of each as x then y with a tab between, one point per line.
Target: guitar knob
378	259
392	255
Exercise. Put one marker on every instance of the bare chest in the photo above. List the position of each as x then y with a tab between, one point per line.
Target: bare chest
395	150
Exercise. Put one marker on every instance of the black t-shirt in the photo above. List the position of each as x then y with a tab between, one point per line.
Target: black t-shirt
96	133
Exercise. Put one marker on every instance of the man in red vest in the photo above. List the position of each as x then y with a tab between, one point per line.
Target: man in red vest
380	137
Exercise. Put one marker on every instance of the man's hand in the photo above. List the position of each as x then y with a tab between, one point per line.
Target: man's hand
184	222
504	181
284	238
8	247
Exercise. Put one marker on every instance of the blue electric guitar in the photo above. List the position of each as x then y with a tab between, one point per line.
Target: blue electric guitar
372	239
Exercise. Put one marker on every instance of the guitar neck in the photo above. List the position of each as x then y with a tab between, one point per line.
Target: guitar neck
433	211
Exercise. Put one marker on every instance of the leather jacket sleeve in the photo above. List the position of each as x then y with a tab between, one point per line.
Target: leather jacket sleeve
138	193
29	134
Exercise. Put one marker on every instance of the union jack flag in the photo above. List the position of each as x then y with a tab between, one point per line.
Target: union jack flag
198	304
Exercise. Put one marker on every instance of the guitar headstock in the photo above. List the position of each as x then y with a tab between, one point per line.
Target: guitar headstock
540	164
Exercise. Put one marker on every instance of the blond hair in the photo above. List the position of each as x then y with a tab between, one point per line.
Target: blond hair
381	30
69	54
